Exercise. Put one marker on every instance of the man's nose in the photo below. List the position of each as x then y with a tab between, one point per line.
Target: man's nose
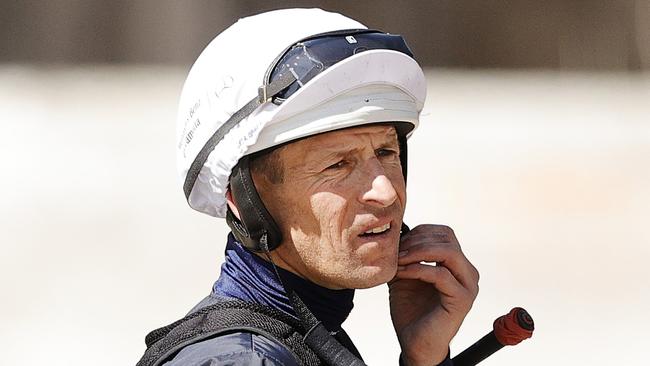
382	193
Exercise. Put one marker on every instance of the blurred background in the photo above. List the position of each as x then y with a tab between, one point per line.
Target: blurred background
534	145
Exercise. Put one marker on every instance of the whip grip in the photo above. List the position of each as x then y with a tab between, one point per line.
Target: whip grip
509	329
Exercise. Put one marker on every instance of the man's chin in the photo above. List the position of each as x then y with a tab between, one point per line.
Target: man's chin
371	276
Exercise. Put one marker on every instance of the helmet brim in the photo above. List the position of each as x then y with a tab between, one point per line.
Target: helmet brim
364	88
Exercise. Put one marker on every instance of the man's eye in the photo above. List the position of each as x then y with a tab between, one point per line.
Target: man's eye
337	165
386	152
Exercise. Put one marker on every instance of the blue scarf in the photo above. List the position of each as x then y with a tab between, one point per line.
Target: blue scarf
248	277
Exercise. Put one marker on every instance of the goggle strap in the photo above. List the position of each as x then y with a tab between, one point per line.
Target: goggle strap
265	92
268	91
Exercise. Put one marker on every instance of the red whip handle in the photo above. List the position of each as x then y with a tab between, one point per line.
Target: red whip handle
509	330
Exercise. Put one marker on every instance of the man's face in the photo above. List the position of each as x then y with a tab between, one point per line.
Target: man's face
337	188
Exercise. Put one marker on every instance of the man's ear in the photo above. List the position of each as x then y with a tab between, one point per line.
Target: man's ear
231	204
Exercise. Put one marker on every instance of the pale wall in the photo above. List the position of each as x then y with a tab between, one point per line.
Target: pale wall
544	176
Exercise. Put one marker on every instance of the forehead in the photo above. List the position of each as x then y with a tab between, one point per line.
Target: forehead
329	145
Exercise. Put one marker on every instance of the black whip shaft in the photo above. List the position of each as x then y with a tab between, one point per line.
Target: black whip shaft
479	351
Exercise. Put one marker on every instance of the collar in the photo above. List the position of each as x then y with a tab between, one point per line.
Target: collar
248	277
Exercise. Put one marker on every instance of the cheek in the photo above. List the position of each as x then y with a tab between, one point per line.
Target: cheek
397	179
329	209
401	193
293	214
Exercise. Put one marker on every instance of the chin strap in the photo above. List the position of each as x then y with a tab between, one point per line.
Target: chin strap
317	337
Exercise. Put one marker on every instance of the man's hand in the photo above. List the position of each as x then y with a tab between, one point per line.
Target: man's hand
428	303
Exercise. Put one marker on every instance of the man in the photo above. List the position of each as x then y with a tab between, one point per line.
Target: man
298	138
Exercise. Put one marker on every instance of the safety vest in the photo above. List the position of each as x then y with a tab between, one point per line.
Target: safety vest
223	317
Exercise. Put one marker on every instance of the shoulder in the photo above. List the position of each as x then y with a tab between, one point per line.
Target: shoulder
235	349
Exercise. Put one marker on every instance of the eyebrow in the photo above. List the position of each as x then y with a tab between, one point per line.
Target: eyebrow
325	153
329	153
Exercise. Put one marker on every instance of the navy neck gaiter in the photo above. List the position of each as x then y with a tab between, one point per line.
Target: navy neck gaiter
247	277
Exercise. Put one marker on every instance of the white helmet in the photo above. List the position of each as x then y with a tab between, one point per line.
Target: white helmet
253	88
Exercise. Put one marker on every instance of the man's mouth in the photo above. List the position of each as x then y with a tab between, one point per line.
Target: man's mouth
377	230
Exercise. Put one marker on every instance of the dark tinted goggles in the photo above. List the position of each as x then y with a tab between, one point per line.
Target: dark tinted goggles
311	56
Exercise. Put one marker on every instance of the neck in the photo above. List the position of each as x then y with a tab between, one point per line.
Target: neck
277	257
249	277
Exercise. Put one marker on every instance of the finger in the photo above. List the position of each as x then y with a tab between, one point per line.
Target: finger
428	234
439	233
445	255
440	277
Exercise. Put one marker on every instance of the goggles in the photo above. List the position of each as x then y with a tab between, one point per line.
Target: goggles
309	57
